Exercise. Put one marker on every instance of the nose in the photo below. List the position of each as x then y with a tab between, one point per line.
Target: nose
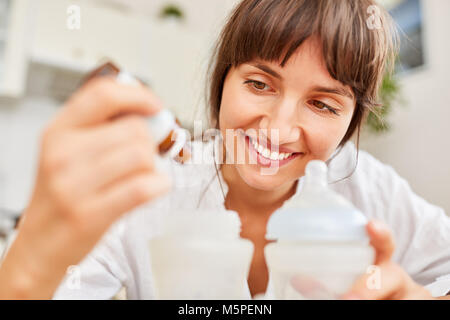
282	119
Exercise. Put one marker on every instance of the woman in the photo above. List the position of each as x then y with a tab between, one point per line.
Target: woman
310	71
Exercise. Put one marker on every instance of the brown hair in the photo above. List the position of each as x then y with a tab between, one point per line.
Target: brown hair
271	30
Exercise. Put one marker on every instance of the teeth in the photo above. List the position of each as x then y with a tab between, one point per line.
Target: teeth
274	156
269	155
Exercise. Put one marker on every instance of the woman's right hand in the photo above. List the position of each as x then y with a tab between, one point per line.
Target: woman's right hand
96	163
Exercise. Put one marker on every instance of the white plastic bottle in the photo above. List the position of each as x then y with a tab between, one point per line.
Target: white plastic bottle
199	256
171	139
322	246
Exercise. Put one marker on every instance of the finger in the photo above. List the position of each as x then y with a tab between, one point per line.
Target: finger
121	162
122	131
124	196
383	282
92	143
89	175
382	240
104	98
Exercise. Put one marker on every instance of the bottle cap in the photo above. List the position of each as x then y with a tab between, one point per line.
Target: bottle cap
126	78
161	124
318	214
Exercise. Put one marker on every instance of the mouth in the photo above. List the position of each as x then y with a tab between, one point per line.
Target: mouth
268	158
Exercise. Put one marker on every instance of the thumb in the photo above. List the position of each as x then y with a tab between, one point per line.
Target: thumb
103	99
382	241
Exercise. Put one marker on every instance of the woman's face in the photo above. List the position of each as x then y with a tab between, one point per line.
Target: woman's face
298	109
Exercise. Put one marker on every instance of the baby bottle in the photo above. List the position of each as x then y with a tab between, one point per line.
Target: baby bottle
321	243
199	256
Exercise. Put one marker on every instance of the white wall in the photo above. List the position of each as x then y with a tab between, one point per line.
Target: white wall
175	59
418	146
178	61
20	128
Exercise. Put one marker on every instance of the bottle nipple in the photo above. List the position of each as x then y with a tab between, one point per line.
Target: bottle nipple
316	174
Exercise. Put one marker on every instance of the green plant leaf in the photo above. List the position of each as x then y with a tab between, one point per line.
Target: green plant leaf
377	121
171	10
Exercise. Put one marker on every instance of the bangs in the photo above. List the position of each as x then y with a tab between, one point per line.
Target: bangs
272	31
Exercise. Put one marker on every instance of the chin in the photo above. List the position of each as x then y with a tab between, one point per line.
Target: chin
254	178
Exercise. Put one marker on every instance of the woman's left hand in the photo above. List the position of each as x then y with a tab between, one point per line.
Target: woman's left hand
391	282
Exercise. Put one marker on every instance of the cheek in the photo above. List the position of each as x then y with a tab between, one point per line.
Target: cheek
323	139
238	108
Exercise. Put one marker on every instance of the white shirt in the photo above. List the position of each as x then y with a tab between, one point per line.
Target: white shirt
421	230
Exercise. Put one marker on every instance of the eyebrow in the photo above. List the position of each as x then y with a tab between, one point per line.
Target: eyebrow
334	90
268	70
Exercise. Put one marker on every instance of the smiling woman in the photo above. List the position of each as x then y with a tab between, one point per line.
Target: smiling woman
308	70
310	111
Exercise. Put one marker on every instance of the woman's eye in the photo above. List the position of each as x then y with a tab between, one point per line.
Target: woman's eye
258	85
322	107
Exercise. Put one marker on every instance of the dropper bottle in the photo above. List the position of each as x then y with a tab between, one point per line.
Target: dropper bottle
164	127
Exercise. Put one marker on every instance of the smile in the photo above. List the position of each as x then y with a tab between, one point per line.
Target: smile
266	153
267	158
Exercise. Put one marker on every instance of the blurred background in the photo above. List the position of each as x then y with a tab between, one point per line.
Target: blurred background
46	46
